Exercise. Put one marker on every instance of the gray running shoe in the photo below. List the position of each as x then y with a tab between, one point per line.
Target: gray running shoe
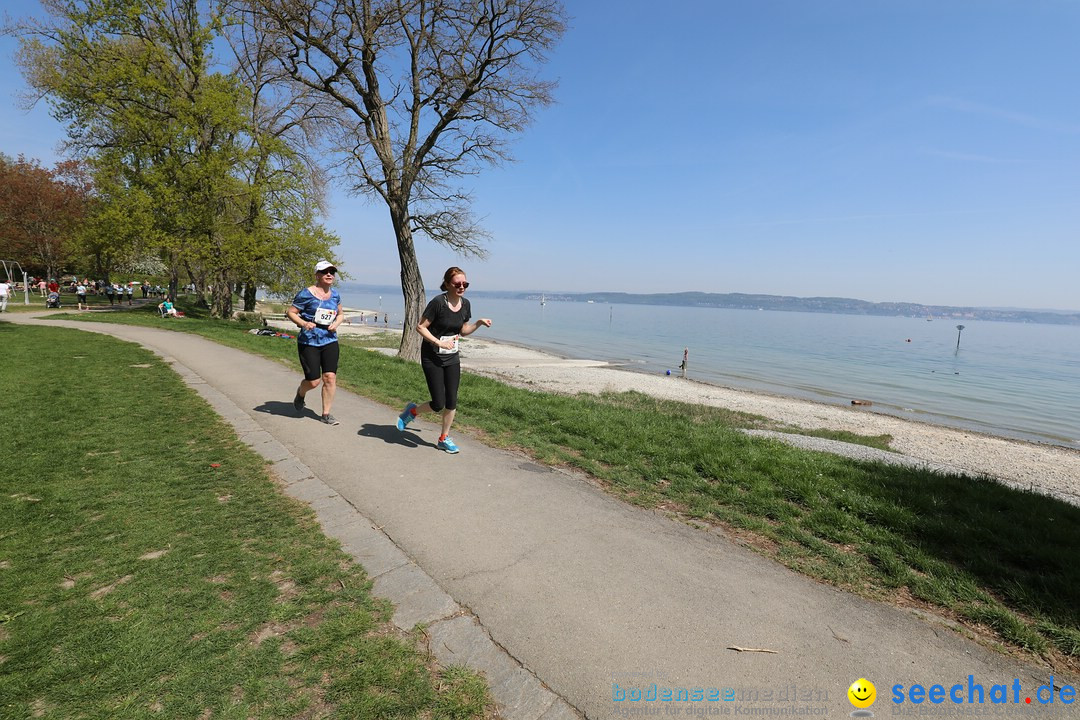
330	420
298	404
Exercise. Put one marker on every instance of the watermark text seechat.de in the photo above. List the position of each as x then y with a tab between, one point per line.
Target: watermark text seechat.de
974	693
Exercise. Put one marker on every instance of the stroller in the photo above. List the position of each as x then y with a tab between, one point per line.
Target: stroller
53	301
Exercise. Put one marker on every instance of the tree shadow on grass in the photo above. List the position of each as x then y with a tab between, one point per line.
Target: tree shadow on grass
1019	545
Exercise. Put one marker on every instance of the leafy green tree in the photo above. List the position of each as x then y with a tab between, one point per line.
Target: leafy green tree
119	228
132	80
169	133
285	182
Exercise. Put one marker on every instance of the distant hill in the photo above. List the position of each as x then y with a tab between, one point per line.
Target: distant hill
844	306
748	301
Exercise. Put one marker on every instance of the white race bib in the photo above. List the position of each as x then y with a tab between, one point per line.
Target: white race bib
451	351
324	316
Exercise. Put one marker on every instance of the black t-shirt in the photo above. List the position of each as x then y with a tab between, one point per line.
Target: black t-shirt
444	321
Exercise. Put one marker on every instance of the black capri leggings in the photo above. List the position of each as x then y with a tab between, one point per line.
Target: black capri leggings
442	383
314	357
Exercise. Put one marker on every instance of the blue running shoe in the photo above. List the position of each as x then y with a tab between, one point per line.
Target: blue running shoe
448	445
406	416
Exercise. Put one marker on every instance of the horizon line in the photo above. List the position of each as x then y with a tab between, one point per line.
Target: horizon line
768	295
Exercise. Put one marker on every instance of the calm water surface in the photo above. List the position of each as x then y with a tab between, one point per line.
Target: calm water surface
1010	379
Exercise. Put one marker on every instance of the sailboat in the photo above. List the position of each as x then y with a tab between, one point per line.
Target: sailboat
543	300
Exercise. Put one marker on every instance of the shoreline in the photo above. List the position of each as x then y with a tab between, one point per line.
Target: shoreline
1050	469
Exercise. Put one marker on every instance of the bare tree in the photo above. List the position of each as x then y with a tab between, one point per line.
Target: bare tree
424	93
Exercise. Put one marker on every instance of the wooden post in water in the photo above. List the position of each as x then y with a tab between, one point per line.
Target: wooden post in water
685	354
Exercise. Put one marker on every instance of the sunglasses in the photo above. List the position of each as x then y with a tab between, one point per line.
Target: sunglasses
329	272
461	285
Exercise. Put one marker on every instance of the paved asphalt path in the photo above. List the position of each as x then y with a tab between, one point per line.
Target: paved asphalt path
584	596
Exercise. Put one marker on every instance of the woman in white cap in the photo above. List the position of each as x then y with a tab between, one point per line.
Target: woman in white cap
316	310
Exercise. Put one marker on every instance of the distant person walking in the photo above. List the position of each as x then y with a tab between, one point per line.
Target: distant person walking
445	319
5	291
80	296
316	310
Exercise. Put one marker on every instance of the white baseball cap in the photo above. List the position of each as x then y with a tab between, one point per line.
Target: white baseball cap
325	265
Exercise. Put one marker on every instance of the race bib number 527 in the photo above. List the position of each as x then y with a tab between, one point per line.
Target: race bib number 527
324	316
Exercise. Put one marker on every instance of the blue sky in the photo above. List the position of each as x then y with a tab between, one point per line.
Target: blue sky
891	150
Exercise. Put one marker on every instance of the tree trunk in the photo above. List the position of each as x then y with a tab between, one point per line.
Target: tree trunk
199	281
412	287
174	282
249	296
174	274
221	299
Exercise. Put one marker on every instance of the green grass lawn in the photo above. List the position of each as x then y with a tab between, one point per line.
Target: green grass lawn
150	568
999	560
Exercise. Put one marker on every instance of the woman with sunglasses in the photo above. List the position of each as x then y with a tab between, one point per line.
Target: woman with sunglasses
445	319
316	310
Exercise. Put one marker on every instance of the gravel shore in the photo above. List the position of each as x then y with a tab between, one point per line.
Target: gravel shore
1049	469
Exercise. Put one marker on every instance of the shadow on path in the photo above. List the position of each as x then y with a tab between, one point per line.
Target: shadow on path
392	436
284	409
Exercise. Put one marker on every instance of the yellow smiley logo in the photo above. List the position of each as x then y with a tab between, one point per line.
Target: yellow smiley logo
862	693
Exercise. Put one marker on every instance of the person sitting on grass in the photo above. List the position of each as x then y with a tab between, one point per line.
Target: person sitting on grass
168	310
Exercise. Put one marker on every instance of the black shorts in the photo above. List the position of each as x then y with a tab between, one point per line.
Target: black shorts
314	357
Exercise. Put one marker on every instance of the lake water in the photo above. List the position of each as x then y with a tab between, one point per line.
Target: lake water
1008	379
